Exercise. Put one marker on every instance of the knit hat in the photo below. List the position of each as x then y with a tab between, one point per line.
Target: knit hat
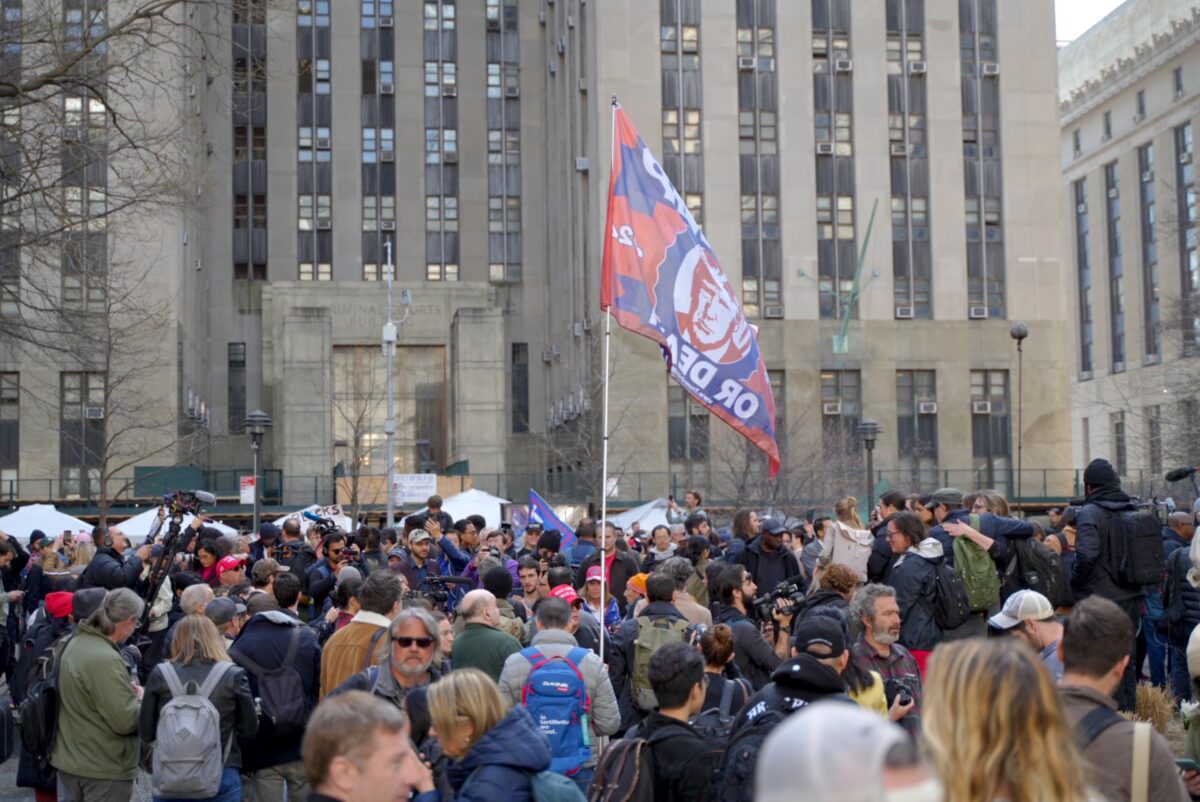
268	531
35	536
347	573
498	581
1100	472
58	604
551	541
638	583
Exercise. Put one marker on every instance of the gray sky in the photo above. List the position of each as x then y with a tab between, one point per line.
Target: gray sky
1073	17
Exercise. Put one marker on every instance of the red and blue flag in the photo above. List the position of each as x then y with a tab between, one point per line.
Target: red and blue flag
543	513
662	280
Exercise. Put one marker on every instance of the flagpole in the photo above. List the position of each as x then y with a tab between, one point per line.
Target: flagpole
604	423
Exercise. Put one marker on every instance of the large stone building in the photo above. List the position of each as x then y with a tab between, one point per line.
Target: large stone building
879	181
1129	99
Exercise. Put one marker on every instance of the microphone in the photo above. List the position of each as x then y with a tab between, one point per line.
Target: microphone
312	516
204	497
450	580
1179	474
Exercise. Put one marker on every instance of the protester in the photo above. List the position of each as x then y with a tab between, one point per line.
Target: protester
995	729
1095	653
913	578
419	566
692	501
231	570
634	643
199	663
36	646
322	575
585	542
620	565
597	602
361	643
680	569
698	551
635	595
661	546
746	527
877	650
872	760
482	645
293	552
208	554
716	645
477	732
553	642
755	657
357	750
434	512
529	572
96	751
836	589
1181	605
767	561
1028	616
227	614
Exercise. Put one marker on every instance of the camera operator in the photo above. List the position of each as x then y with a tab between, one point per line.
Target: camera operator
755	656
110	569
322	576
418	566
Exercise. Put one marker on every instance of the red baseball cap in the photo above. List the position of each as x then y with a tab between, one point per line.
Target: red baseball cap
567	594
595	574
231	563
58	604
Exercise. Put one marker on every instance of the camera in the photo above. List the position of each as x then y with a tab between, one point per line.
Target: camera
438	590
786	591
323	526
900	688
187	501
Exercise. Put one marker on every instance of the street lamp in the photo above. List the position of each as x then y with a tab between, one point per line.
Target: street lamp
869	430
1019	331
257	423
389	351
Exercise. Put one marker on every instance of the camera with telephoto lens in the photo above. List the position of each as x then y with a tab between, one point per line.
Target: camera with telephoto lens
785	591
183	501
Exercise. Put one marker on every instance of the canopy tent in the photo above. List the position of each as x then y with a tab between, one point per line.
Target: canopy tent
45	517
139	526
475	502
344	522
647	516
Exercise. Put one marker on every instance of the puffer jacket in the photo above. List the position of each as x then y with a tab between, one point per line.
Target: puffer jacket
912	577
109	570
496	769
1091	575
1181	601
830	603
231	698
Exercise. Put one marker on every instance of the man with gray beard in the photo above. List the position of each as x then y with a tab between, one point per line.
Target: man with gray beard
877	650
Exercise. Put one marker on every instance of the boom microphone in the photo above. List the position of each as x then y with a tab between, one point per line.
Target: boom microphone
1179	474
204	497
312	516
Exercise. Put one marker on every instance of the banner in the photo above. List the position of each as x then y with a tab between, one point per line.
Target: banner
541	511
662	280
409	488
246	489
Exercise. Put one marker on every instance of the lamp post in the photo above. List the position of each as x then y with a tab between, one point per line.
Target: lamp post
869	430
389	351
257	423
1019	331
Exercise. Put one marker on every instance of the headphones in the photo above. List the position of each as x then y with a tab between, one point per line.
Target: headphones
100	533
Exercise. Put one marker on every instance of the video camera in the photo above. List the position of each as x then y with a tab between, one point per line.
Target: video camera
785	591
323	526
187	502
438	590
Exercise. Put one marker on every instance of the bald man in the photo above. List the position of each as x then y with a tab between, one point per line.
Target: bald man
482	645
1178	533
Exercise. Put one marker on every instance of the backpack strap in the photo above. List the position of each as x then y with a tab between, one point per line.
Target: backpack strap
726	698
289	656
370	648
214	677
1141	762
174	686
1093	724
533	655
577	655
975	522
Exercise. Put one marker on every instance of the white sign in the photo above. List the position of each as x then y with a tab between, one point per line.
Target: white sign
413	487
246	489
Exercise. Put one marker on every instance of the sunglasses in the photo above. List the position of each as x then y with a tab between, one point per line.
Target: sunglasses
406	642
335	552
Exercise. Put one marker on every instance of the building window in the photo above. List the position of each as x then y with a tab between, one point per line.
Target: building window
1140	104
1177	81
1116	267
916	423
687	426
682	99
249	12
320	271
1106	124
1083	264
10	432
82	411
1189	255
1076	144
991	434
247	271
833	114
1151	303
1086	437
841	410
312	13
519	387
440	15
237	387
249	211
1120	455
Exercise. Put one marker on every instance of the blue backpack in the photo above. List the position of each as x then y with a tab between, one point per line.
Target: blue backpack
556	697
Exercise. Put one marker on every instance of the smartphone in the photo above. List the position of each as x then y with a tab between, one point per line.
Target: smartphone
1188	765
810	514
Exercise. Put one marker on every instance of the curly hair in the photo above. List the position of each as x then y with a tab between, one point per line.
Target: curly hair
839	578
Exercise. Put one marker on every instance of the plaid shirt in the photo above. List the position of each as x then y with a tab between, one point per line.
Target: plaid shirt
897	668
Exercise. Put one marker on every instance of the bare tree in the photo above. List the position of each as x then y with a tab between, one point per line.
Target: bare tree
359	395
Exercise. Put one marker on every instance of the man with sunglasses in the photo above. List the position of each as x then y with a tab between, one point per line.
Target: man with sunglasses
361	643
408	668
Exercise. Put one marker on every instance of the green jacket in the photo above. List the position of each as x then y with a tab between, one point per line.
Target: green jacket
98	711
485	648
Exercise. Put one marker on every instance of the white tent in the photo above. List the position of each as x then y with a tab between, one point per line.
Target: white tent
45	517
140	525
345	522
475	502
648	516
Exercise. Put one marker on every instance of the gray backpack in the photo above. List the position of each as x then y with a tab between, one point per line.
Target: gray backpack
188	754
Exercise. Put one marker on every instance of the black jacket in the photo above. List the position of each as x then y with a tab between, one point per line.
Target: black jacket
109	570
231	698
997	527
619	654
1091	574
912	578
769	570
1181	601
39	584
795	683
752	654
881	559
683	764
298	556
831	604
623	568
265	639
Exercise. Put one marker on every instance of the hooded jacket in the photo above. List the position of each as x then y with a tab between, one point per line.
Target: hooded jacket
768	570
795	683
1091	574
913	579
500	764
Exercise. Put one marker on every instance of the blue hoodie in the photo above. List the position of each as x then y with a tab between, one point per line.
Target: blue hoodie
506	757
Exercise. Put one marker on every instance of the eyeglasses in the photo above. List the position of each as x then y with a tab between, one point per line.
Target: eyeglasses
407	642
335	552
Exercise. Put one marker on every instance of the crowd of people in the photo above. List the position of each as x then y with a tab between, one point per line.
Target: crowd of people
944	649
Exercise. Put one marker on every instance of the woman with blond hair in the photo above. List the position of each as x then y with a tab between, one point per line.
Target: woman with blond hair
200	665
494	752
995	729
81	556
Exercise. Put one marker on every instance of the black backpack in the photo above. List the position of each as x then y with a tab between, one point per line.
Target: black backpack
38	711
736	769
951	605
625	772
1036	566
284	704
715	724
1135	549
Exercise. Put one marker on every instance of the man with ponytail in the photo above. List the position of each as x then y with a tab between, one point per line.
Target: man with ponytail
96	749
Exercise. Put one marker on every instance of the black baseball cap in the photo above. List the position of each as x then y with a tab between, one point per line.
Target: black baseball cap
773	526
821	632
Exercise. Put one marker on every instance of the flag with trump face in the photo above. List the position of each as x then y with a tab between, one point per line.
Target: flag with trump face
662	280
